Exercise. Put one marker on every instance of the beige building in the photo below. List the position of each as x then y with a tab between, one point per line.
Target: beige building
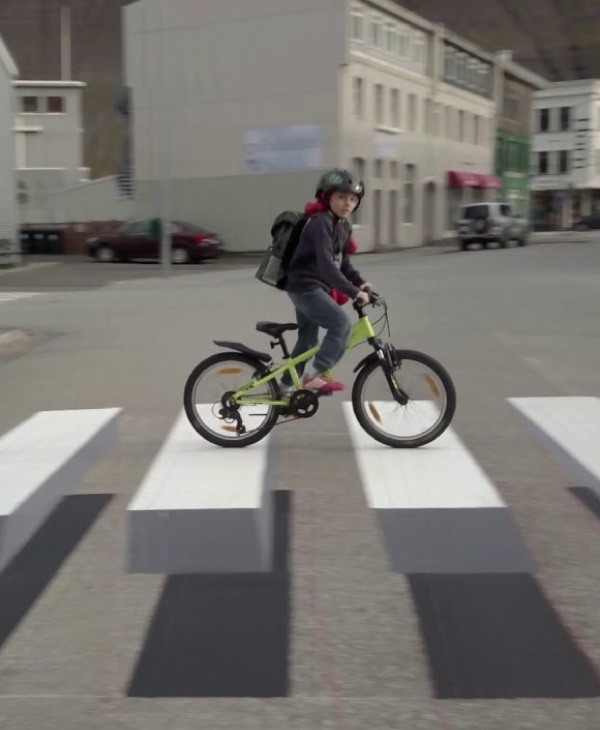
48	142
9	245
238	107
566	153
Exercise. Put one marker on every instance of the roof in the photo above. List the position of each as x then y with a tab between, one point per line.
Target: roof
8	61
581	86
526	76
60	84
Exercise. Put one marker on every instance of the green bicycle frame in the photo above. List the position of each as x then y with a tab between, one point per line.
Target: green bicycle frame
361	331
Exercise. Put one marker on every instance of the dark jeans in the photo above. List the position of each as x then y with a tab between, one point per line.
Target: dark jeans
316	309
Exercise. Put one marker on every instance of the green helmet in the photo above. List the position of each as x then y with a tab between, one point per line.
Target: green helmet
339	181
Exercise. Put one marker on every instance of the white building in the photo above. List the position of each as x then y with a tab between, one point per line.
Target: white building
9	240
566	152
240	106
49	143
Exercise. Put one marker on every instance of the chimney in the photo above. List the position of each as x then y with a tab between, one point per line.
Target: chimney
65	44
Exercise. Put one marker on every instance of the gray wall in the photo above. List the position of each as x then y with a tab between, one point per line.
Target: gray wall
8	204
96	200
214	72
240	208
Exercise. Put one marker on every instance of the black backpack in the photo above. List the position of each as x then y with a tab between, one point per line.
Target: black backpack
285	234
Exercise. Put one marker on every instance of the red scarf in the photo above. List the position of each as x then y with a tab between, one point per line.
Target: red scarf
311	209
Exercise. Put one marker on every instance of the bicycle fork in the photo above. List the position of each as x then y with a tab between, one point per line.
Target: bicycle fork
388	365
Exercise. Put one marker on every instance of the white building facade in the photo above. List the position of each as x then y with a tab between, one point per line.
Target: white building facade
9	239
237	108
49	143
566	153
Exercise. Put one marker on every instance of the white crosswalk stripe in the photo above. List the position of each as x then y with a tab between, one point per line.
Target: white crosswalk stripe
41	461
570	425
201	508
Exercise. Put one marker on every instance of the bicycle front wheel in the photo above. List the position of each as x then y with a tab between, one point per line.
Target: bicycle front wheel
428	412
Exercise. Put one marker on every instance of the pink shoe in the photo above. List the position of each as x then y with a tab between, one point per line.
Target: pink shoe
323	383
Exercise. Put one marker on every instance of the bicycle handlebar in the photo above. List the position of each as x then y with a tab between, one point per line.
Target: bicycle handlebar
374	299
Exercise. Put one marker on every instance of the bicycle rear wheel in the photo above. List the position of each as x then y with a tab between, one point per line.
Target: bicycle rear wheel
205	397
428	412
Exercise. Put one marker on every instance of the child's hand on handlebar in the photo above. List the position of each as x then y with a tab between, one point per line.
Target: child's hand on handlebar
362	298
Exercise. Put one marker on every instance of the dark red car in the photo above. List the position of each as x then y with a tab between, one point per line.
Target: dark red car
134	240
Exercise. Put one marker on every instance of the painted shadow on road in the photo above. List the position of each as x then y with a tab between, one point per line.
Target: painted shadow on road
26	577
222	635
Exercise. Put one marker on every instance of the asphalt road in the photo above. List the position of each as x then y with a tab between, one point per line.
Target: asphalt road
335	638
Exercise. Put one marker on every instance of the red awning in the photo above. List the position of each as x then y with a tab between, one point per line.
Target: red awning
490	181
458	179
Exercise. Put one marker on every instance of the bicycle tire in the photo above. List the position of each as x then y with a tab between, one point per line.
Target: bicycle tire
394	441
196	423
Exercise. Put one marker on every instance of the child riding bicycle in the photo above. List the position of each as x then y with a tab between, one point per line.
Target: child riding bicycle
320	266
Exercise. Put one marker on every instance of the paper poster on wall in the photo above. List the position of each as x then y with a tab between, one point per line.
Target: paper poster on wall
386	145
273	149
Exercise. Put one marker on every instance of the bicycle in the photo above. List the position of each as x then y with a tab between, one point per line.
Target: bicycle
220	421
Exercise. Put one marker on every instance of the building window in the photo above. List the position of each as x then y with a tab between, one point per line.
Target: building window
29	105
358	164
395	107
563	162
565	119
376	33
358	25
453	200
543	120
55	105
378	103
394	169
461	126
358	97
542	163
378	169
405	43
511	107
427	116
391	39
409	194
476	132
412	112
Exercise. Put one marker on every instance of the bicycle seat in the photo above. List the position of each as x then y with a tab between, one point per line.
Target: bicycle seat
273	329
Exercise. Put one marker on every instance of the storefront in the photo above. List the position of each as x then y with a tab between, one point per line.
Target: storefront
465	187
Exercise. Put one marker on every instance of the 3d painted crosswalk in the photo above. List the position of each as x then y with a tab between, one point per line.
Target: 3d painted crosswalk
197	511
41	461
438	510
448	532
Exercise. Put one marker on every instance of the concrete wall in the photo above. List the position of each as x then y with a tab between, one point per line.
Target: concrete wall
33	189
214	73
91	201
240	208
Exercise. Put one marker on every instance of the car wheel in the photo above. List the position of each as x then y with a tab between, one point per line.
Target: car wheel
105	254
180	256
